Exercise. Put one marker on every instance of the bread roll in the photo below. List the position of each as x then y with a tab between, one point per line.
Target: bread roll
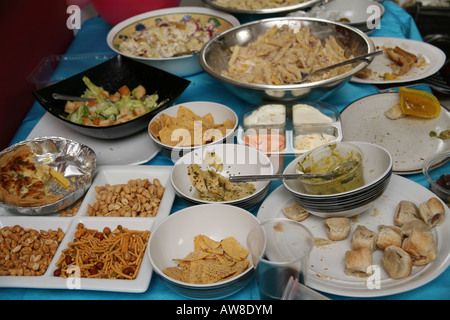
417	224
296	212
363	238
421	247
397	262
357	262
404	212
432	212
388	236
337	228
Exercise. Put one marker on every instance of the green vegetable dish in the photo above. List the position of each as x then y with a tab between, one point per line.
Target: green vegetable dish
325	160
106	109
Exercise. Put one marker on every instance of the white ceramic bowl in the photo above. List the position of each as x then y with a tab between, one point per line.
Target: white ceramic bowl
361	14
237	159
377	168
220	114
181	66
174	238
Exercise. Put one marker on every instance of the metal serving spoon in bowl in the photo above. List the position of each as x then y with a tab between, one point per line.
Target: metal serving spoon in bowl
59	96
306	76
339	170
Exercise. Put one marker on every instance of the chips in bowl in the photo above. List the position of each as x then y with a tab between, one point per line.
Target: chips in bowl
184	127
211	261
188	129
226	228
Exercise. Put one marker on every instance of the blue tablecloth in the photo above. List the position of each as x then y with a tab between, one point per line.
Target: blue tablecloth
91	39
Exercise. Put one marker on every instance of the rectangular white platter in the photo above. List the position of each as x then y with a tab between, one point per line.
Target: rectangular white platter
49	281
109	174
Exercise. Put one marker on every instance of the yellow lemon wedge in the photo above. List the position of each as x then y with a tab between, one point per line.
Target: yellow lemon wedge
419	103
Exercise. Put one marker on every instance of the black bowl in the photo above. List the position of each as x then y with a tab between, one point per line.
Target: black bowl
111	75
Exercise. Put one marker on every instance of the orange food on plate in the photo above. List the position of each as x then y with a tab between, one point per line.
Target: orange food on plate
419	103
266	142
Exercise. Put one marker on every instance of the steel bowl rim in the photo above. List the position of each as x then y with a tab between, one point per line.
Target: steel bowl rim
328	82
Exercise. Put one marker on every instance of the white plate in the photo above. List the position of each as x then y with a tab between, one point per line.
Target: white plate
135	149
121	174
407	139
49	281
105	174
326	271
434	57
357	12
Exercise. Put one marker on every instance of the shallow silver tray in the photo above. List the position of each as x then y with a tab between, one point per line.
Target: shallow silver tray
76	161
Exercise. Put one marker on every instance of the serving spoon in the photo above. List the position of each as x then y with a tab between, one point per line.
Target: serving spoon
339	170
306	76
59	96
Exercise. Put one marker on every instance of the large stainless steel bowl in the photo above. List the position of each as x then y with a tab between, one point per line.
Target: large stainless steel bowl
215	55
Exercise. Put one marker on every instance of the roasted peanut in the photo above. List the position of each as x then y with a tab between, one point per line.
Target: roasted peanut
137	198
27	252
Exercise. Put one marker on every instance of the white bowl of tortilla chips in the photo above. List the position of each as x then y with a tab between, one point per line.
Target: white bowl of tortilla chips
202	176
184	127
208	243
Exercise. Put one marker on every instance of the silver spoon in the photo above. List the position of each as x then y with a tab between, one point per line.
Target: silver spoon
59	96
306	76
339	170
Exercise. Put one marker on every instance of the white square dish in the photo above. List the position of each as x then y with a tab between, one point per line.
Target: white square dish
113	175
49	281
140	284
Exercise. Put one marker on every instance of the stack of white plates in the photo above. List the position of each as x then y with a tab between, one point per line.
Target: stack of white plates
377	168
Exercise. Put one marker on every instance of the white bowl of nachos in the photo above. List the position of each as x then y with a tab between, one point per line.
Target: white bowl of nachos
221	264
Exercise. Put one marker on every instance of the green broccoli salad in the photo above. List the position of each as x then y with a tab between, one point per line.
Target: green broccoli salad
107	109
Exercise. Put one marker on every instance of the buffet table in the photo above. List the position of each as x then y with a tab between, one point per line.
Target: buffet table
91	39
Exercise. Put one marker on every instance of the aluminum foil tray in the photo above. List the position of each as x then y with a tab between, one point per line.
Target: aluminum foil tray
76	161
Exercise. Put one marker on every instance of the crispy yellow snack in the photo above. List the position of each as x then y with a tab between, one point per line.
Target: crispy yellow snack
234	249
59	177
210	262
188	129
